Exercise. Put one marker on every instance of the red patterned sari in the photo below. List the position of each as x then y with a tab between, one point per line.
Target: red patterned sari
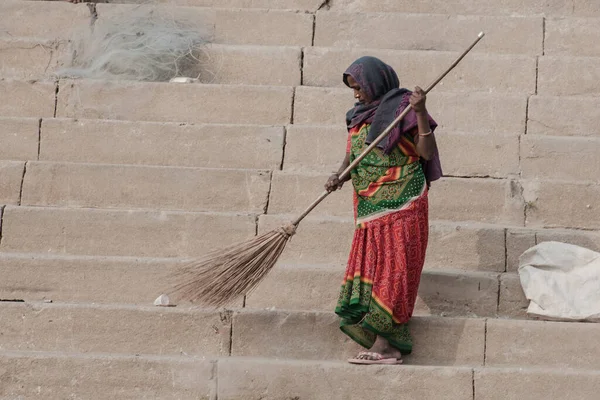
379	290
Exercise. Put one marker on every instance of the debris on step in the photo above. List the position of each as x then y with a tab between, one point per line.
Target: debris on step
163	301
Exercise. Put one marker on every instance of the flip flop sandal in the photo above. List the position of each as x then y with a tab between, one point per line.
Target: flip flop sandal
374	359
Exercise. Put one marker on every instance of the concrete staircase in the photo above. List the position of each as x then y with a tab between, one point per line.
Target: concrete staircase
106	187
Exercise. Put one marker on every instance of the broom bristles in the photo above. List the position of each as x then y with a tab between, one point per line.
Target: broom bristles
227	274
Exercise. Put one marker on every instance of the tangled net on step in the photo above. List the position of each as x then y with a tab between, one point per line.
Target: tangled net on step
143	43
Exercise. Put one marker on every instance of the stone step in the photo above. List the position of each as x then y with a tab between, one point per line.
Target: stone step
573	36
42	20
303	5
169	144
465	246
547	157
27	98
107	280
532	342
231	26
171	102
551	204
482	7
87	328
446	293
61	375
546	115
27	59
568	75
535	383
19	138
120	232
11	176
102	376
491	200
388	30
321	148
476	113
85	279
251	65
323	66
145	187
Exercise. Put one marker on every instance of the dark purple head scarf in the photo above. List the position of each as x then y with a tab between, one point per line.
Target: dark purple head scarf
380	82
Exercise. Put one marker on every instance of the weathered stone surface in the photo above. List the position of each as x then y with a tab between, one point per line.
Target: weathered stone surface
546	116
542	343
167	188
120	233
105	329
27	58
531	384
251	65
27	99
264	27
84	279
568	76
303	5
572	37
489	200
458	293
11	176
231	26
291	193
122	142
249	379
41	19
322	106
315	148
440	292
460	7
319	240
477	112
512	300
552	204
170	102
494	155
316	336
444	33
546	157
323	66
517	241
19	138
466	246
590	240
59	376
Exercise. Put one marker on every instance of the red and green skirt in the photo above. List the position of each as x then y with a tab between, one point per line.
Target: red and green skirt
382	278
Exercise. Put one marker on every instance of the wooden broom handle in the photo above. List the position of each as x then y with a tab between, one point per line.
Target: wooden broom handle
387	130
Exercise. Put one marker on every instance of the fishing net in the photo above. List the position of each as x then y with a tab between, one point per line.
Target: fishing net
143	43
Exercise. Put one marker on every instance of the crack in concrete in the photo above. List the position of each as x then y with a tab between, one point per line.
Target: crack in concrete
39	146
1	222
56	90
326	4
22	182
285	133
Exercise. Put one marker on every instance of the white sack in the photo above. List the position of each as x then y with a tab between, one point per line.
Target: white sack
562	281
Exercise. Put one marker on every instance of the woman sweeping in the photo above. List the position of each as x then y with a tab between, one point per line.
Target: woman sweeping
379	290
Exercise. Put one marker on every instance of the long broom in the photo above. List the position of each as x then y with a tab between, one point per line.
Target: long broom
227	274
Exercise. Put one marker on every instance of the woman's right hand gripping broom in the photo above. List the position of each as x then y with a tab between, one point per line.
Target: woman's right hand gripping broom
334	182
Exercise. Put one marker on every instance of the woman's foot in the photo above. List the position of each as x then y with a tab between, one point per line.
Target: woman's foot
382	352
383	347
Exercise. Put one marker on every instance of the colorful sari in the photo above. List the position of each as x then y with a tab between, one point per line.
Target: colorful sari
380	286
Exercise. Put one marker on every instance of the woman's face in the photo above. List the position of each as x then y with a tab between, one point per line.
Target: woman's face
359	93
